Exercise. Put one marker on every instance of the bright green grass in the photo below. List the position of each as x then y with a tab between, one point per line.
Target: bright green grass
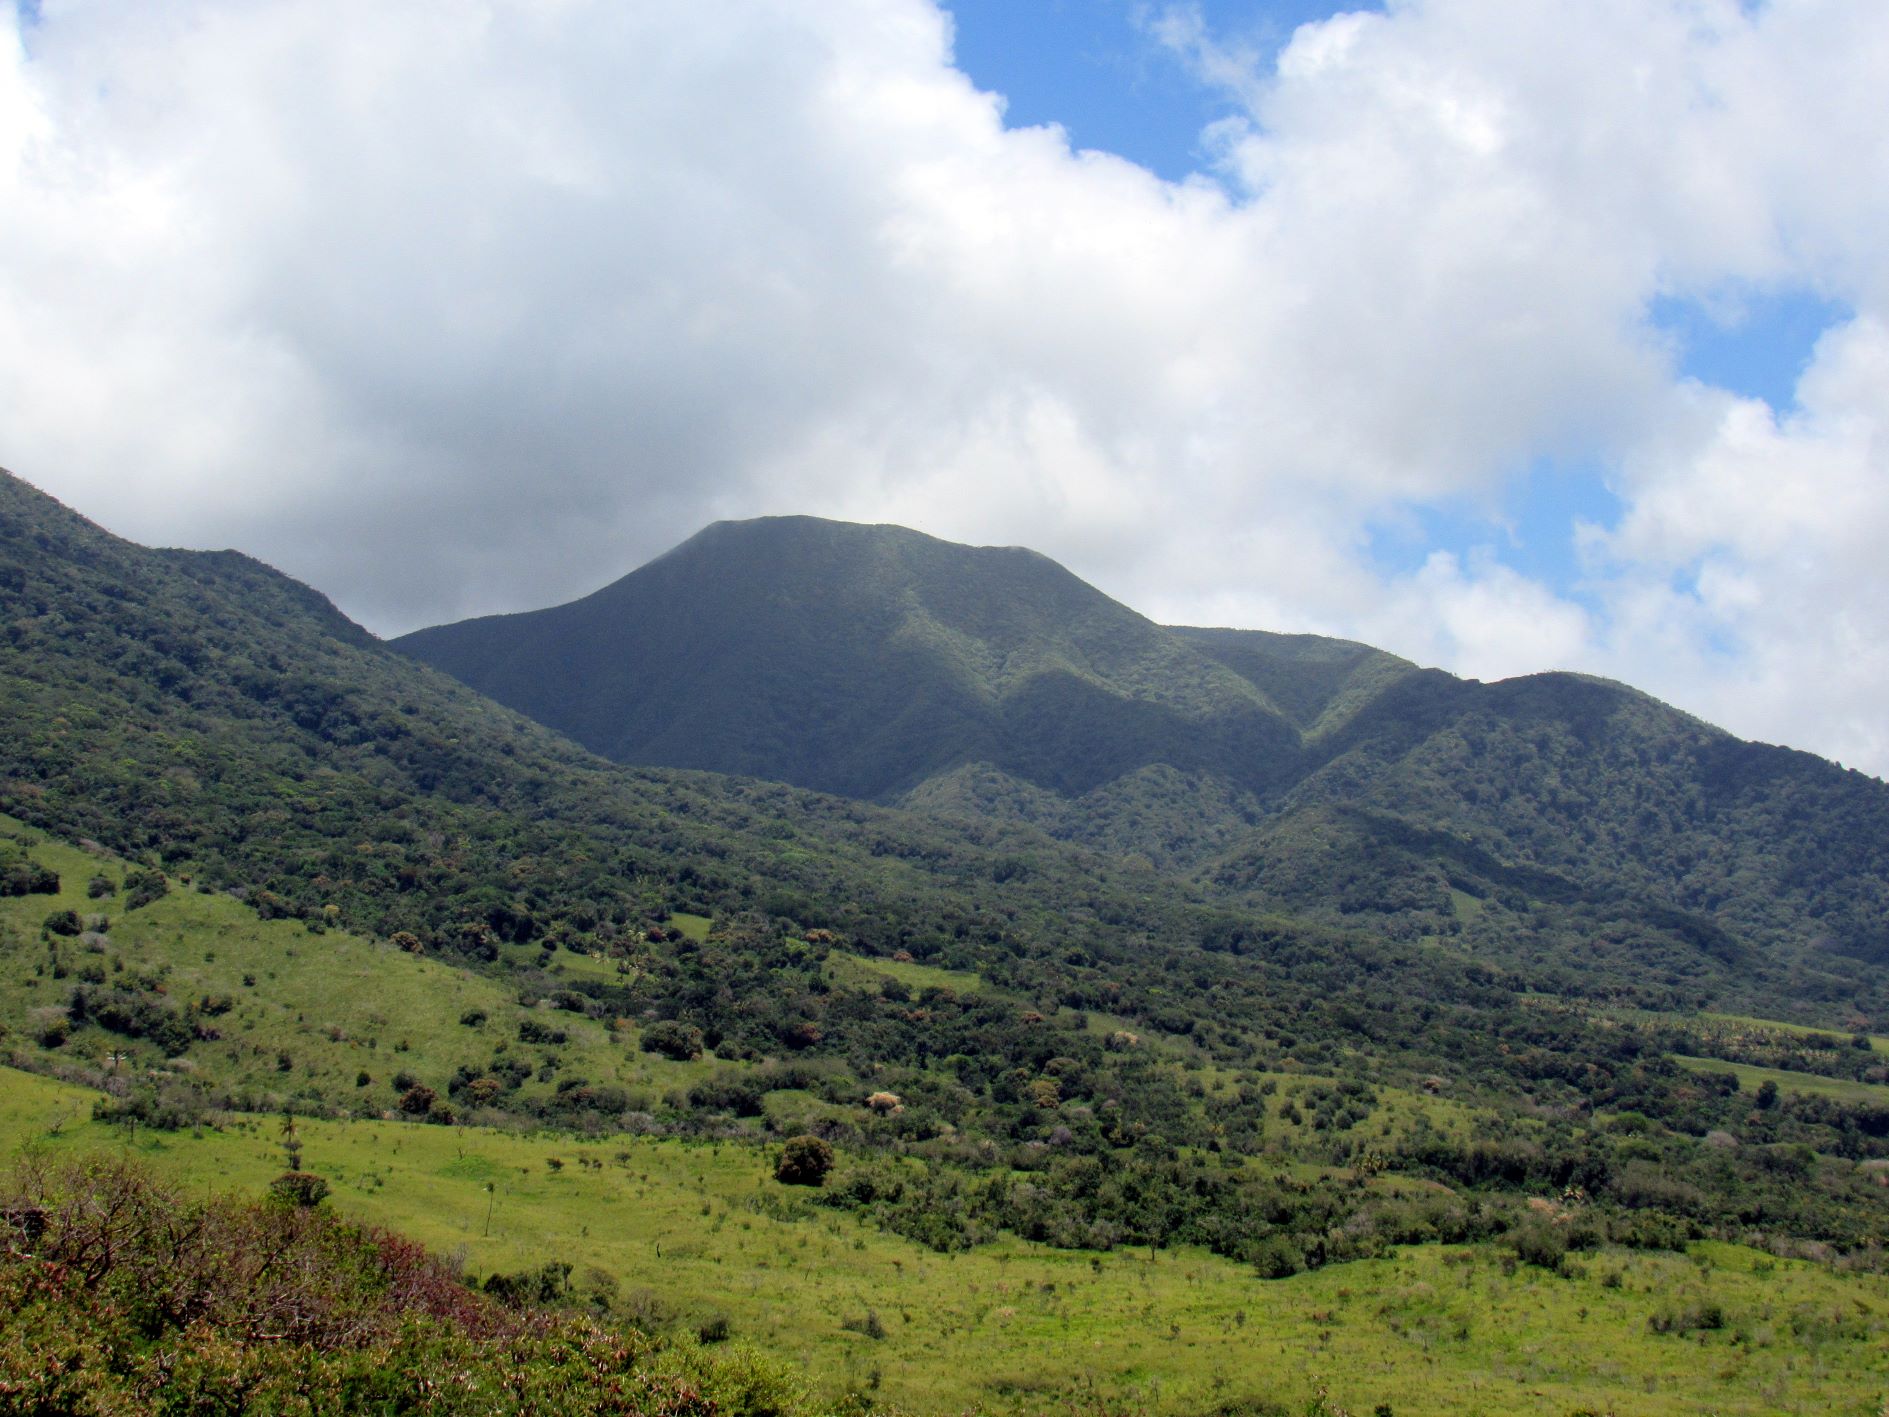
1017	1327
694	927
1877	1043
313	1012
1465	906
850	968
1751	1078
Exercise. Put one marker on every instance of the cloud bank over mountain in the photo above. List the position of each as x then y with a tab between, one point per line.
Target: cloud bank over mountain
452	308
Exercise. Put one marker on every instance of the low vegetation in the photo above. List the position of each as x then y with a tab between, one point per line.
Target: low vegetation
685	1239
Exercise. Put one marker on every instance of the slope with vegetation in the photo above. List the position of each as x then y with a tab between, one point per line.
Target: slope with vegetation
687	1241
1553	818
257	863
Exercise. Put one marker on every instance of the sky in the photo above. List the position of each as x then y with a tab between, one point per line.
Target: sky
1509	335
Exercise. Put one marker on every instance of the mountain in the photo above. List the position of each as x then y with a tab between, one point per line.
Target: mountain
255	860
865	661
202	711
1294	771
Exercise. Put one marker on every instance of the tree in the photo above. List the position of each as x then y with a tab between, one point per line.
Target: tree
303	1189
673	1039
805	1161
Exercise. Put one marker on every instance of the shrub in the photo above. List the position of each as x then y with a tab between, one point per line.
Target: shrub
1539	1243
1277	1257
20	875
418	1100
302	1189
1706	1315
673	1039
805	1161
727	1092
868	1324
143	887
63	922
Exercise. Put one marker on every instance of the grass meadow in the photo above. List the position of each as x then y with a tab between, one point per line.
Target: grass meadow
684	1233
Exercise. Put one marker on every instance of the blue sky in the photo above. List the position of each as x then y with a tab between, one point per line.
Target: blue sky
1093	67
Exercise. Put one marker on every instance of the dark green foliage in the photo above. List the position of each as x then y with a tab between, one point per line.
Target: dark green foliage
1310	773
21	875
1704	1316
673	1039
63	922
547	1285
729	1092
133	1013
299	1188
863	661
804	1161
144	887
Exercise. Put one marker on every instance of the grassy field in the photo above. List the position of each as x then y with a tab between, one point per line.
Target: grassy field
684	1233
1877	1043
309	1014
851	969
688	1232
1751	1078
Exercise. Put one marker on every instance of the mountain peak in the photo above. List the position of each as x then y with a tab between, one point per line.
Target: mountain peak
860	659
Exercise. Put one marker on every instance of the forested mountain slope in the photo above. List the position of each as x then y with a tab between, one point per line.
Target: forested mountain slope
1318	775
865	660
1077	1048
209	712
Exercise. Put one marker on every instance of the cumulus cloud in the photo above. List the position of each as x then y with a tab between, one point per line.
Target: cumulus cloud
450	309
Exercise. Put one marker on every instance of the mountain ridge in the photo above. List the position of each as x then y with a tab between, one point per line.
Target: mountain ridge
887	665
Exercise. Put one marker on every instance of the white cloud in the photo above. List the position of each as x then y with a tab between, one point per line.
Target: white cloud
452	308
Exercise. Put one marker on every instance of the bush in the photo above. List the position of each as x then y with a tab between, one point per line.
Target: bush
63	922
727	1092
137	1299
805	1161
673	1039
302	1189
143	887
20	875
1277	1257
868	1324
1706	1315
1539	1243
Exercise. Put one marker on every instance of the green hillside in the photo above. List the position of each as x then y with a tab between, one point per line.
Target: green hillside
1289	772
674	1236
258	871
863	661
